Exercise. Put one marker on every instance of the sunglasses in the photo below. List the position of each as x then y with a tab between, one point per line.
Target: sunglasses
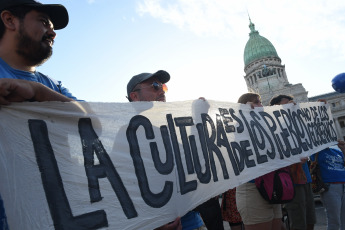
157	86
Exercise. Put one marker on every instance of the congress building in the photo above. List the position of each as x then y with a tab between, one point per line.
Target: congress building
265	75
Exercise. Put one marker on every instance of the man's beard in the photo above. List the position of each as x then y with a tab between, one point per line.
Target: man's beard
34	52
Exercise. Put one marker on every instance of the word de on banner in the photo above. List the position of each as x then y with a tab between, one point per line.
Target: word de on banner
140	165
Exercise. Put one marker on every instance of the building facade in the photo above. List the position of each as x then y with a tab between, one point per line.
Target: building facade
337	103
265	75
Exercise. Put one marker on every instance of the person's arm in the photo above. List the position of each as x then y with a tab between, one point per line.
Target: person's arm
15	90
341	145
175	225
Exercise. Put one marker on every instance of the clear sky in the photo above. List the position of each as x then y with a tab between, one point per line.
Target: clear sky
199	42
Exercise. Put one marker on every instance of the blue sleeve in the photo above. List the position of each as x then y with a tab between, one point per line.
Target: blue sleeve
306	171
55	85
64	91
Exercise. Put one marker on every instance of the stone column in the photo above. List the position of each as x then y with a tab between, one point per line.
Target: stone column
338	128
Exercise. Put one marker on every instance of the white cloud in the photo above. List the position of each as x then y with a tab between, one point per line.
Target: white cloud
309	27
203	17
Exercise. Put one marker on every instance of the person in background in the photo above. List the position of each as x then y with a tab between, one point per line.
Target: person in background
256	212
211	213
27	33
229	210
151	87
332	167
301	210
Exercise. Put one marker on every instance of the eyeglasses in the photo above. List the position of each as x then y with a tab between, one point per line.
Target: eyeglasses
157	86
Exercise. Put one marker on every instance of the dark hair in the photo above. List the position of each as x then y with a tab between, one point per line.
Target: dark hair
17	11
277	99
248	97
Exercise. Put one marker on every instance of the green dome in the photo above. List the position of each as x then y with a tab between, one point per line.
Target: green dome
257	47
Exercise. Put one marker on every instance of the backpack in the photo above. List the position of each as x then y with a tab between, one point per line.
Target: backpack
276	187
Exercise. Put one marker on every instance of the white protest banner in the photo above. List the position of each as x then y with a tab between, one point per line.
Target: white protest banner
140	165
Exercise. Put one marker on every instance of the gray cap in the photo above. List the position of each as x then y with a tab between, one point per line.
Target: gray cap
161	75
56	12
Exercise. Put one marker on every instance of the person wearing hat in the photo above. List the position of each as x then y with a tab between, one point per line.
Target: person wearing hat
148	86
26	39
152	87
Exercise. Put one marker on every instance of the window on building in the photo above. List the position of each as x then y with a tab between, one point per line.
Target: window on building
342	124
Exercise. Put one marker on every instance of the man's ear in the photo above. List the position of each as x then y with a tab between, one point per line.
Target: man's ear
8	19
134	96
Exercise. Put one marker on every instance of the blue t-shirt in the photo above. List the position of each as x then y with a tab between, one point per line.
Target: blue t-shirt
331	163
7	71
191	220
306	171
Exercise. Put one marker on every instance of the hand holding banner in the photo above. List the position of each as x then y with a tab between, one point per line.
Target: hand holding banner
140	165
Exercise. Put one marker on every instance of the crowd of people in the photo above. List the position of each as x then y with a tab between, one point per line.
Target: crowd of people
27	32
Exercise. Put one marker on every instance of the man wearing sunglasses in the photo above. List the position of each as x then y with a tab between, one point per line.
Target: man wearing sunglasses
148	87
151	87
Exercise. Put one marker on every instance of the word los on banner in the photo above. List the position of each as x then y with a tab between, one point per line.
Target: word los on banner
286	133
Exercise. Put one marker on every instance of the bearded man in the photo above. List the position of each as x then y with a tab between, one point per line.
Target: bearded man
26	39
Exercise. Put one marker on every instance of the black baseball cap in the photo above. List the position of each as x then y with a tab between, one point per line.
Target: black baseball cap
58	13
161	75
